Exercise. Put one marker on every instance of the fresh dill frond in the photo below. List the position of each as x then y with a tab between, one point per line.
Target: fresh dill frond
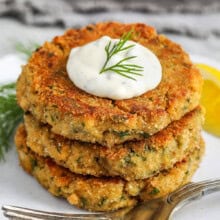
27	50
10	115
122	67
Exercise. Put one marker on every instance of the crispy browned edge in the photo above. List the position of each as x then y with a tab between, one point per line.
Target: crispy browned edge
44	89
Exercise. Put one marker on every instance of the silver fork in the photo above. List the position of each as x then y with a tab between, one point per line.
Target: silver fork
158	209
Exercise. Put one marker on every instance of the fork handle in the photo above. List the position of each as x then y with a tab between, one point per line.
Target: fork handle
20	213
192	191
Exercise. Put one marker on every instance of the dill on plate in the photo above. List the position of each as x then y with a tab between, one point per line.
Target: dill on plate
10	113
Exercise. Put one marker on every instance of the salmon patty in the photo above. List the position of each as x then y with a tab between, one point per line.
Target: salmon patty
131	160
45	90
104	193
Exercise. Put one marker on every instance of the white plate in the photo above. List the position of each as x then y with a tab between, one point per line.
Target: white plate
18	188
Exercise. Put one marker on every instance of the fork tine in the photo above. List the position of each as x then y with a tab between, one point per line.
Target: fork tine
193	190
14	211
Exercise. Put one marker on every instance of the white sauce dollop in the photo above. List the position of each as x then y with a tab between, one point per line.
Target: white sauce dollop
84	64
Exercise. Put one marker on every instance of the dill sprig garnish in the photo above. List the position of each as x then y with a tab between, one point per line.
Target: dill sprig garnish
10	115
122	67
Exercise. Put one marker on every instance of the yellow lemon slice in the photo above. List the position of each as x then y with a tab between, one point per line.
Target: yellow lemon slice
211	98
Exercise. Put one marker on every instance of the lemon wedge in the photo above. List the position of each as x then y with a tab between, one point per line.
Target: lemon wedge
211	98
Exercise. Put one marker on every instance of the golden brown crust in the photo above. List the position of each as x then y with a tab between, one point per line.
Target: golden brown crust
131	160
103	194
45	90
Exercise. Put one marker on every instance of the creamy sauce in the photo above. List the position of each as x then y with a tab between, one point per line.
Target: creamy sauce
84	65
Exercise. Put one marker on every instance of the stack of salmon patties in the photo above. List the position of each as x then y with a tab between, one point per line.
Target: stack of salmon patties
102	154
